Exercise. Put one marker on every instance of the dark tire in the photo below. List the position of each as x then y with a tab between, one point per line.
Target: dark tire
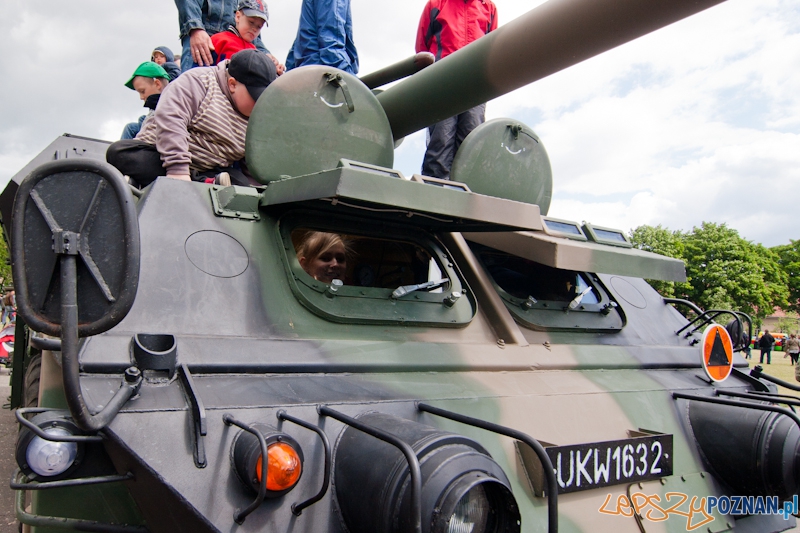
30	391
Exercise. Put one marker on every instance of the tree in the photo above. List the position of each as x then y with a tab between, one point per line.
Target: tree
789	323
725	271
789	260
729	272
661	241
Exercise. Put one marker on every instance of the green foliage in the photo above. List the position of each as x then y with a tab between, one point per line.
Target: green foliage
723	270
5	267
729	272
789	260
661	241
789	324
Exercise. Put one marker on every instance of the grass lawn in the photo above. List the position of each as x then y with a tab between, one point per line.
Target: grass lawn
780	368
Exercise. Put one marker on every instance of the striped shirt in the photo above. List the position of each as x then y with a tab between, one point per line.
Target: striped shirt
195	124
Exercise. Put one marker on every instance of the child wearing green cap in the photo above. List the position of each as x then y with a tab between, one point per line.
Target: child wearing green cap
149	79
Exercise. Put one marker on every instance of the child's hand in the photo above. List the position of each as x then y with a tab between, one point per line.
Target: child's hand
280	68
201	46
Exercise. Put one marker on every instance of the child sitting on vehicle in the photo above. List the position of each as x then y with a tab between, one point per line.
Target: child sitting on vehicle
251	16
198	130
149	80
163	56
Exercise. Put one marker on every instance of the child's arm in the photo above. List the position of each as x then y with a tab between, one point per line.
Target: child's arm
177	106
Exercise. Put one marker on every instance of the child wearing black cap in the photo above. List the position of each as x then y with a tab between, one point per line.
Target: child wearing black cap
199	127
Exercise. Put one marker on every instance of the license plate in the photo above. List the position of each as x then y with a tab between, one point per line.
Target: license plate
600	464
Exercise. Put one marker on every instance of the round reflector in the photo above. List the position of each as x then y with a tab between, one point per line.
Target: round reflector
284	460
283	467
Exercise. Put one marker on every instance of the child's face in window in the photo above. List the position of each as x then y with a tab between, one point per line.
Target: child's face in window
327	266
248	27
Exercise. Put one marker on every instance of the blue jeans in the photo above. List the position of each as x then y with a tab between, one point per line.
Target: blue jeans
130	130
446	137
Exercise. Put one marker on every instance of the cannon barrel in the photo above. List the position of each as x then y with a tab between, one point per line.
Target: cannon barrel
549	38
398	71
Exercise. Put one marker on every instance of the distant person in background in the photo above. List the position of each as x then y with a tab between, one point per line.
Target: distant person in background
149	80
765	343
199	20
446	26
792	348
163	56
251	16
324	36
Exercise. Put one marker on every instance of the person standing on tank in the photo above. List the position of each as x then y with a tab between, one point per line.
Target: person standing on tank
765	343
446	26
199	20
324	36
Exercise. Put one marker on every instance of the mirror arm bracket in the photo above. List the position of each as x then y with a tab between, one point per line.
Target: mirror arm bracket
80	412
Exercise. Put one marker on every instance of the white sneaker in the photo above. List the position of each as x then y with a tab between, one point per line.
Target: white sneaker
224	179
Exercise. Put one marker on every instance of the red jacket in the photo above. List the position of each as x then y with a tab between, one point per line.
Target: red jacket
447	25
226	43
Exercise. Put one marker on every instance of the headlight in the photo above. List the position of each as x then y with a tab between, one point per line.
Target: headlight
756	452
42	458
463	489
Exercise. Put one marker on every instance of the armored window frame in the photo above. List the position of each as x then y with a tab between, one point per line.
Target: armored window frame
551	227
354	304
609	236
604	315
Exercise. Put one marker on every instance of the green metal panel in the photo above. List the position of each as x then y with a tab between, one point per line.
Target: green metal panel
569	254
388	198
311	117
506	159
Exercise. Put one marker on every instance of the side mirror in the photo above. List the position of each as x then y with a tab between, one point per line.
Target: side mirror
80	209
75	261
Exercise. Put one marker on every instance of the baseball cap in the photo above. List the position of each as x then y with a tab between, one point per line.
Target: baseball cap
254	8
253	69
148	69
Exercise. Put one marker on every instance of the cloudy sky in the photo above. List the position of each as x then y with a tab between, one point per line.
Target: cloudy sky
699	121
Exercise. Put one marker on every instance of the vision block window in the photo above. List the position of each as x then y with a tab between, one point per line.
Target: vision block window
364	261
543	297
347	273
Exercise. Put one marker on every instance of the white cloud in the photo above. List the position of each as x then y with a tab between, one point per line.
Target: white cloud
697	121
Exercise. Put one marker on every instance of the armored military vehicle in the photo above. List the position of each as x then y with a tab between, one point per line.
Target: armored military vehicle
469	365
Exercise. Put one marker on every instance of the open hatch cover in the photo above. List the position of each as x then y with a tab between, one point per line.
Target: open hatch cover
384	194
568	254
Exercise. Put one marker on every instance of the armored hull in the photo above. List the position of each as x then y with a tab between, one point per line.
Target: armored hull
477	366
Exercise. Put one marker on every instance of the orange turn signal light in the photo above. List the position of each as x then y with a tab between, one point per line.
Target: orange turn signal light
284	467
284	460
